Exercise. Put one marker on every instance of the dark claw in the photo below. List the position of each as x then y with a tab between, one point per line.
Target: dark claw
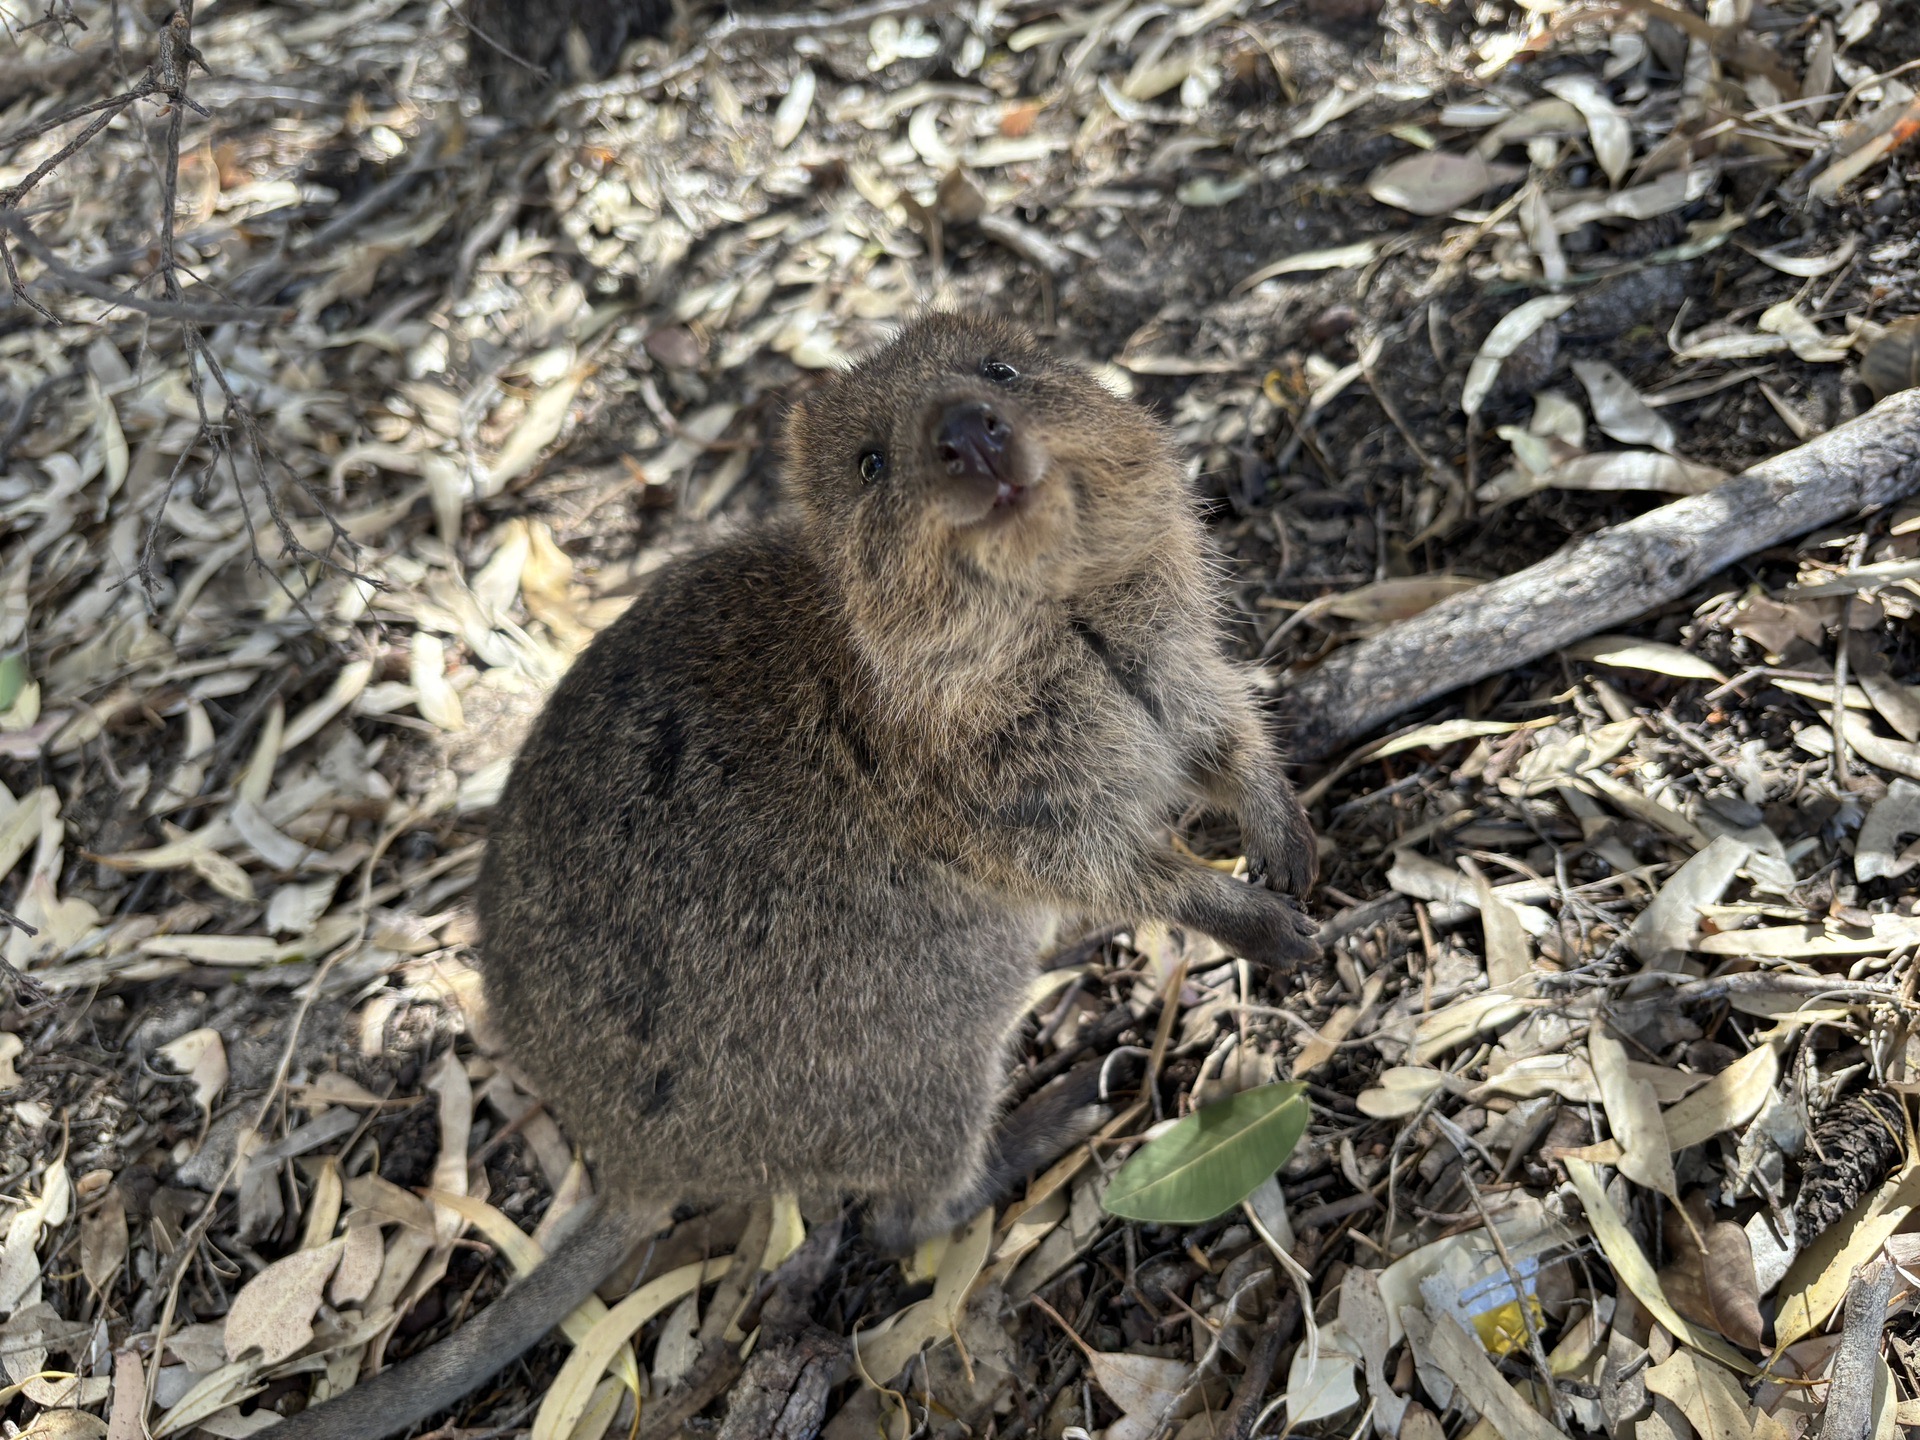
1282	855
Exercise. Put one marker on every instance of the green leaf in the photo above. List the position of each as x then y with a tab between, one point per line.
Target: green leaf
1212	1160
13	679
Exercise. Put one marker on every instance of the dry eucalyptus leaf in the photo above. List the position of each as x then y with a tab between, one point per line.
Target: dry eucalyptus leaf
65	1425
1142	1385
229	1385
1795	942
1607	128
1618	408
1802	335
884	1352
1343	257
295	909
1712	1398
1320	1048
230	1424
19	1262
1466	1362
1808	267
1397	599
1400	1091
1892	362
126	1416
1321	1378
1897	704
1630	1266
1895	816
572	1392
1669	927
1631	654
1512	331
1363	1314
791	116
360	1259
1509	952
1463	1019
103	1240
1435	182
1726	1102
538	427
273	1313
200	1055
435	698
1633	1112
1715	1285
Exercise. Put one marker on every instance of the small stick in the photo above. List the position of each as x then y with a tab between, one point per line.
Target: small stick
1842	778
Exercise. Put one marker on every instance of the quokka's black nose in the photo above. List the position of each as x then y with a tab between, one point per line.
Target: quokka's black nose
972	440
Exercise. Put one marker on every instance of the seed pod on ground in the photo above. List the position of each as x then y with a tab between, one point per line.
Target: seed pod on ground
1853	1148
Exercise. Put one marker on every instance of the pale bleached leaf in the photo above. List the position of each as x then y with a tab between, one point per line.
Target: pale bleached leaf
1895	816
1607	127
1808	267
1512	331
1726	1102
1631	654
538	427
434	697
1711	1397
273	1313
573	1389
19	1260
1670	926
1633	1113
791	116
1435	182
1322	1378
1363	1315
1618	408
1341	257
885	1350
200	1055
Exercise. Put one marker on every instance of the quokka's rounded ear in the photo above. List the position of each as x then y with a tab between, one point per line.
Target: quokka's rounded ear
793	421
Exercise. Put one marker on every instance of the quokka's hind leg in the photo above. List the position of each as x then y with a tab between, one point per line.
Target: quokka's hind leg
1028	1138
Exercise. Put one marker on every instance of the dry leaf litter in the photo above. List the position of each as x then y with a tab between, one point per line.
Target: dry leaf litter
1609	1058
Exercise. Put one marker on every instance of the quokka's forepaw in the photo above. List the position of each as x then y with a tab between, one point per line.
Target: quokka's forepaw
1288	938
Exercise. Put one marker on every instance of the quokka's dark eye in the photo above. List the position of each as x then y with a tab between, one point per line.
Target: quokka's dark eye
999	371
872	465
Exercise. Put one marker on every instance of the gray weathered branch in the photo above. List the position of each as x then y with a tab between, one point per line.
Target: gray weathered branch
1605	579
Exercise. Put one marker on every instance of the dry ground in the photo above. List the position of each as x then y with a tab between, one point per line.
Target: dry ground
308	495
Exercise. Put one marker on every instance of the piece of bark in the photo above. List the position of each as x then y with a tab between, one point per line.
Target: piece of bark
1605	579
1250	1391
783	1394
1854	1147
1849	1411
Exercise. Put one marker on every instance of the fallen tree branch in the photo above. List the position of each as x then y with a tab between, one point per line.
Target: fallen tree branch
1849	1413
1605	579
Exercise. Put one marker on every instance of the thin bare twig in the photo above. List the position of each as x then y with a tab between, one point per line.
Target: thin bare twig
199	312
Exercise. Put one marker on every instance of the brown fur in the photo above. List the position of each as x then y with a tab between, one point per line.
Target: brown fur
765	892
